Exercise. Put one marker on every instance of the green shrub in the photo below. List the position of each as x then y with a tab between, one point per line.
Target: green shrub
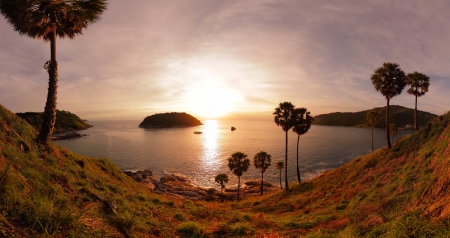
241	228
191	229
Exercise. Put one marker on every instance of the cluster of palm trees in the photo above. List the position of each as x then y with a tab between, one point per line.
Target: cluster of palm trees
299	120
239	163
390	80
49	19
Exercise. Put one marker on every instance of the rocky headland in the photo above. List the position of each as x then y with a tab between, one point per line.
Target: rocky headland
178	185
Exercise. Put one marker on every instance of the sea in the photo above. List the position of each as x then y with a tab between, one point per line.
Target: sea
202	156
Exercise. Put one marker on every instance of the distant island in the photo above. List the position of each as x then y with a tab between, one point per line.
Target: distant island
170	119
65	121
401	116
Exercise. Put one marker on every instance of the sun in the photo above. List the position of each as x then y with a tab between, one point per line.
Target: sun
212	101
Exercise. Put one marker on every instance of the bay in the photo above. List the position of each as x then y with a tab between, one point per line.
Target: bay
202	156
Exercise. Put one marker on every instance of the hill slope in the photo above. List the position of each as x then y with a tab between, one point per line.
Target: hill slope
401	116
402	192
169	119
65	121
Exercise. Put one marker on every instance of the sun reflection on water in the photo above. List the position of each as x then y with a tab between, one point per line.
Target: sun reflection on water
210	144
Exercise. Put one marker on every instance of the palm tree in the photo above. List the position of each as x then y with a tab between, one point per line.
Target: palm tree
372	117
419	86
393	130
283	118
221	179
390	81
302	122
262	161
280	167
238	164
48	19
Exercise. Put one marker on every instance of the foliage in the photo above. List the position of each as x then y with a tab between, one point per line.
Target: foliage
65	121
262	161
238	164
221	179
393	130
170	119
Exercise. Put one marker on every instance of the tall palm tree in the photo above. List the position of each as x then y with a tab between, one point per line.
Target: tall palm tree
393	129
280	167
302	122
221	179
262	161
390	81
48	19
419	86
372	117
238	164
283	118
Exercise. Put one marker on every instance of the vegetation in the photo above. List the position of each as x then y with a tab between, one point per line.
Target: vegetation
47	20
389	80
302	122
280	167
169	119
372	118
399	115
238	164
65	121
283	118
262	161
221	179
393	129
52	192
419	84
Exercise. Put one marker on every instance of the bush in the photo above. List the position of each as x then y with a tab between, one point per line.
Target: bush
191	229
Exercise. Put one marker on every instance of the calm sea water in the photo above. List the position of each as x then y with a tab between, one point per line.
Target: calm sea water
202	156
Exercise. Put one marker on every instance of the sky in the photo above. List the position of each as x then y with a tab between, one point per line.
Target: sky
232	58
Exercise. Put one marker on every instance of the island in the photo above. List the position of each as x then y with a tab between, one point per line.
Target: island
170	119
403	117
65	121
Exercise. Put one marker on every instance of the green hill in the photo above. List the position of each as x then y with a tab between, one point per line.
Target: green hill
401	116
169	119
65	121
52	192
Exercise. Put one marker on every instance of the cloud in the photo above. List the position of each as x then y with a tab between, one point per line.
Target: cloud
146	56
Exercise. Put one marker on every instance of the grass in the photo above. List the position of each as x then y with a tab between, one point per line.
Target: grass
52	192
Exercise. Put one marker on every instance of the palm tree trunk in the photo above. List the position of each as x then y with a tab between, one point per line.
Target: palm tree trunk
239	186
373	128
416	126
388	137
298	169
50	106
281	186
286	184
262	182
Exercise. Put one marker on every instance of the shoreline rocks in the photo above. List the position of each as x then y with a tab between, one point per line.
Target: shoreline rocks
179	185
71	135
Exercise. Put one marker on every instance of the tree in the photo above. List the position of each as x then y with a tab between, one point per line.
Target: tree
283	118
280	167
262	161
393	130
48	19
419	86
390	81
372	118
302	122
221	179
238	164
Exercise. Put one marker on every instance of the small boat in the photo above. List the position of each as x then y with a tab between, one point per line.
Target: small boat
197	131
233	128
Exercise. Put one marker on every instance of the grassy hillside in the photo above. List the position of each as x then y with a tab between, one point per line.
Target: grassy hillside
65	121
401	116
402	192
